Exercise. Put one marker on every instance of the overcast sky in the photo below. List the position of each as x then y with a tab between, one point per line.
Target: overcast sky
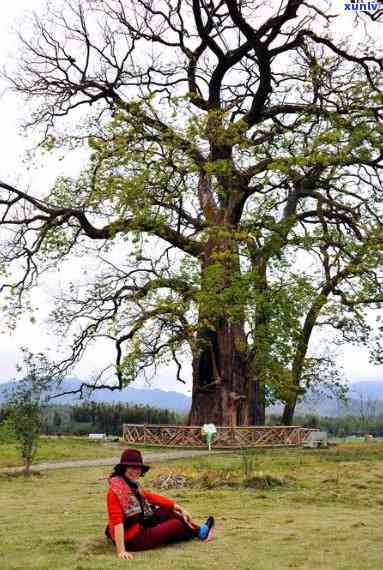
13	145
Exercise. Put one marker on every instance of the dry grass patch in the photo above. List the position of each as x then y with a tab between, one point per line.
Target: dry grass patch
171	481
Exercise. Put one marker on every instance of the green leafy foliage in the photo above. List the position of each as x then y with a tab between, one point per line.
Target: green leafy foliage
25	405
230	206
7	432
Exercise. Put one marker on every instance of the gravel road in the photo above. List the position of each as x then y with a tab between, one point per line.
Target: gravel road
148	457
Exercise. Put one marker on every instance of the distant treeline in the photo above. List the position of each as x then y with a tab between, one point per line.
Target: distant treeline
340	426
92	417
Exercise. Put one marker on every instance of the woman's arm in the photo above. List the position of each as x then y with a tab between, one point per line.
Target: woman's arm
156	499
120	543
116	517
160	500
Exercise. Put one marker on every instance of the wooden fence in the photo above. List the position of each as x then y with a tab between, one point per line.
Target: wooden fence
226	437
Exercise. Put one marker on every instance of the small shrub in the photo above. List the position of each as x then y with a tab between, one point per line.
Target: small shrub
213	478
266	481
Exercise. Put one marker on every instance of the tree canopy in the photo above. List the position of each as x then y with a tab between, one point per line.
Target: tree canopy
232	196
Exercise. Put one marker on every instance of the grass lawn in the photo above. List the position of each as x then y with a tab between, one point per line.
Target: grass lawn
65	448
329	515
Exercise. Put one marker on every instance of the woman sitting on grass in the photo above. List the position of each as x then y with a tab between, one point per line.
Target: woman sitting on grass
140	519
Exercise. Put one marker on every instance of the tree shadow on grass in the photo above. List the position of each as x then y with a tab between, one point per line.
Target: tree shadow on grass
10	475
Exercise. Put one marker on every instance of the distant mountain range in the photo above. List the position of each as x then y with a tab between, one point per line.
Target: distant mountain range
151	397
360	394
369	392
368	388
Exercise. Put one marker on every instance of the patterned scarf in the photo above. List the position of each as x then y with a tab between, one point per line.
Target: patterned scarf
132	501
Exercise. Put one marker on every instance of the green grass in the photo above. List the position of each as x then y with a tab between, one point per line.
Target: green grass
64	449
328	517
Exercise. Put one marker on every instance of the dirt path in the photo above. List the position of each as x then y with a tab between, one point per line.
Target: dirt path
149	458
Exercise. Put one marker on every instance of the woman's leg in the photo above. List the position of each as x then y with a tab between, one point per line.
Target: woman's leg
164	514
169	528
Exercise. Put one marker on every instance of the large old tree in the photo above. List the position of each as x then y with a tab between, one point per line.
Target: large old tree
232	197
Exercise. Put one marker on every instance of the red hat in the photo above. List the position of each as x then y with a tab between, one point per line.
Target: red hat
133	458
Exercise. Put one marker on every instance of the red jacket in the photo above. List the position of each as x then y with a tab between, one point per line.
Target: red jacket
116	514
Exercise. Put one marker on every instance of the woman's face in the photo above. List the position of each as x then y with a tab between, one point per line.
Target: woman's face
133	473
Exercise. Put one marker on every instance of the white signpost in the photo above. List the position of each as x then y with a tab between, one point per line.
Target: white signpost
209	431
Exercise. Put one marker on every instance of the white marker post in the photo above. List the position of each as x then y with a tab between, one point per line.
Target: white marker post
209	431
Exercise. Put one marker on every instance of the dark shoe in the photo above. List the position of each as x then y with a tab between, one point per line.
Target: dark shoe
210	523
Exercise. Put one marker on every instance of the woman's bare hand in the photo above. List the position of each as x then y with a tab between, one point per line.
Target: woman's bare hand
123	555
184	514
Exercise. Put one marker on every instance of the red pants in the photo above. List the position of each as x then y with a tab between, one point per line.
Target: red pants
167	527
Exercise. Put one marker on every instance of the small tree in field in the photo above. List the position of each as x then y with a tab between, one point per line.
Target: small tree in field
26	406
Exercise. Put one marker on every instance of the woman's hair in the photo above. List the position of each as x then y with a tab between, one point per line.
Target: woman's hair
118	471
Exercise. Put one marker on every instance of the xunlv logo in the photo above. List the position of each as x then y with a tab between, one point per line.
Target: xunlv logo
357	6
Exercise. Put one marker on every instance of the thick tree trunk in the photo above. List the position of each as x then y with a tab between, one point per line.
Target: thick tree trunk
256	402
260	354
220	377
288	413
220	359
301	351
